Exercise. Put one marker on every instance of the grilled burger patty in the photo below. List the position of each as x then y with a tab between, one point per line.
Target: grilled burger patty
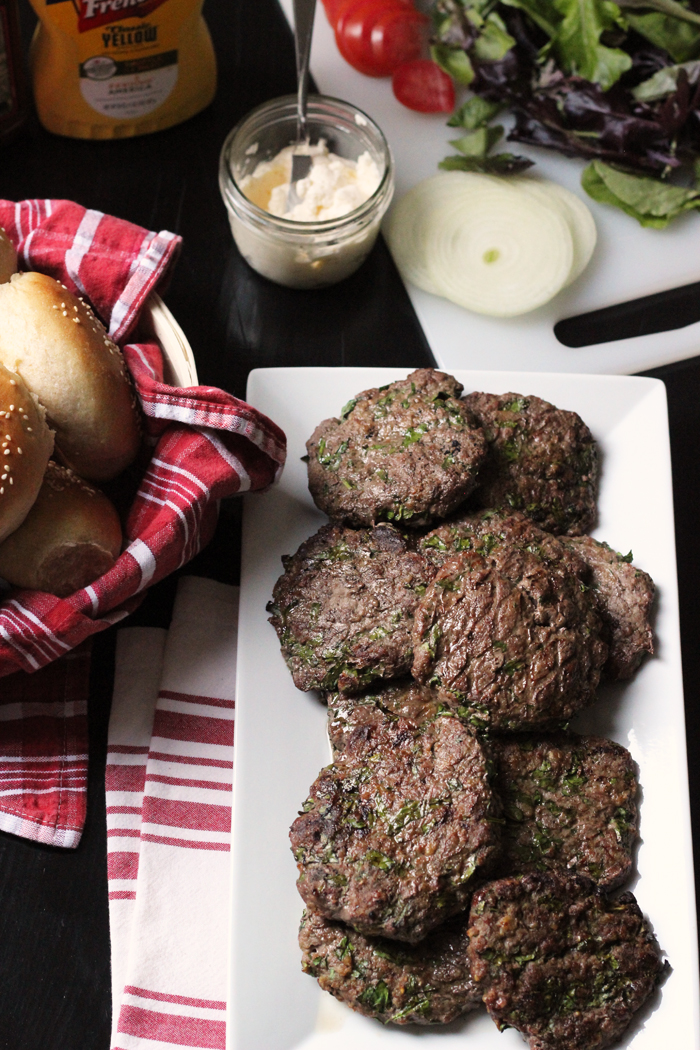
343	609
484	530
509	641
542	460
352	719
624	596
426	983
394	833
408	452
556	959
570	804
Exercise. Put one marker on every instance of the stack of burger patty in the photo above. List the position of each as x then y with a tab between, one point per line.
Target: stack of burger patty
463	845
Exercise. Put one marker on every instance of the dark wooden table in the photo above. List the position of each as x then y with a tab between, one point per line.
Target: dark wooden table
54	934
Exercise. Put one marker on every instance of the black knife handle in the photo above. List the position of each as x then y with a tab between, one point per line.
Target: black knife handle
661	312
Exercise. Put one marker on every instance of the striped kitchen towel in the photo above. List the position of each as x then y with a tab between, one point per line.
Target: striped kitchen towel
169	824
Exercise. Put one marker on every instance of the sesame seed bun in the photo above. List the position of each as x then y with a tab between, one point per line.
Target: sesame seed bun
25	446
8	257
61	350
70	537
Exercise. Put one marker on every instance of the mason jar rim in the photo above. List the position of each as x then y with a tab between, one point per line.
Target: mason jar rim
236	198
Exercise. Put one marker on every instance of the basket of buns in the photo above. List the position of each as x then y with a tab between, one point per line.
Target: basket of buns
112	459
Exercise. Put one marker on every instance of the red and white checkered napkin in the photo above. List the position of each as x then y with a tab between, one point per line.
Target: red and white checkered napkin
201	444
169	776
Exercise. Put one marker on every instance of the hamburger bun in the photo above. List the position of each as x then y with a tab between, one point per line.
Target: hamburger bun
8	257
61	350
25	446
70	536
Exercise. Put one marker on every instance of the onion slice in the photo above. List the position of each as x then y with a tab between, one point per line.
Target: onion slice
497	246
497	250
575	211
407	227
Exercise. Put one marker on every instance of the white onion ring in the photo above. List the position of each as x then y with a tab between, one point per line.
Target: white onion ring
497	246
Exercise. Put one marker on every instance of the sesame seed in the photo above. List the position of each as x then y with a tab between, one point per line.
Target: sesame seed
76	320
3	477
29	430
19	451
12	408
11	481
8	436
63	306
6	452
65	313
13	382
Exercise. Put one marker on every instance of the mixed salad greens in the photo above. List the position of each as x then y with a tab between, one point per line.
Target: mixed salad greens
617	83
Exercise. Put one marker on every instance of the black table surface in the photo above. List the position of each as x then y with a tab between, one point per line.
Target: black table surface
54	932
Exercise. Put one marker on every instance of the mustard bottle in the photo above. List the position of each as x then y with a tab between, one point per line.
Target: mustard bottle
115	68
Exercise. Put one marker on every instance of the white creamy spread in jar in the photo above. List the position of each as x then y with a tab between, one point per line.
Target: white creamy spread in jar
334	186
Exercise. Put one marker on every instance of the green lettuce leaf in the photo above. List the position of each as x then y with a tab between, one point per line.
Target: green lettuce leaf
665	81
478	143
680	39
454	61
494	40
541	12
577	42
475	112
575	28
650	201
498	164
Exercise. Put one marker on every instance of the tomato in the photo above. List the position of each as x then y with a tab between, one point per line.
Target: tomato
423	86
397	36
375	36
334	8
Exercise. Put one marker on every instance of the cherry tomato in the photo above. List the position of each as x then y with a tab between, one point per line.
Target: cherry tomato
397	36
376	37
423	86
334	8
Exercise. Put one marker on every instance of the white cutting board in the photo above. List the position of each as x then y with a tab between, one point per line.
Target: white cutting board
628	262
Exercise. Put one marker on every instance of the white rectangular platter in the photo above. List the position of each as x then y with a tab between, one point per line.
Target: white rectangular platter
628	262
281	742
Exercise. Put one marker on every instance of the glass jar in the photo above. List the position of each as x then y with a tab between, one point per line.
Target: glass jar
303	254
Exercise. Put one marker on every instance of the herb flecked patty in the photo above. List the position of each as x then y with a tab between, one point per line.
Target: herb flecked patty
408	452
542	460
426	983
509	641
485	530
624	595
570	804
343	609
393	835
353	719
559	961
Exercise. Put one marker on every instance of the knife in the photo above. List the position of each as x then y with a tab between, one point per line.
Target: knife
661	312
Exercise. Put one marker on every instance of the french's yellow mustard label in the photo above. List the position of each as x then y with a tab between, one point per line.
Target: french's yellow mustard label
114	68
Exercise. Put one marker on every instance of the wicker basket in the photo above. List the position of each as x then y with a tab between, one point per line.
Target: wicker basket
178	360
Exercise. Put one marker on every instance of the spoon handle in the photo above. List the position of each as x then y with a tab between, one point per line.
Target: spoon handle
303	29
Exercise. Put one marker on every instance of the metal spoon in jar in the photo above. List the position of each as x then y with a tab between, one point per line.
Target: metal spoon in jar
303	30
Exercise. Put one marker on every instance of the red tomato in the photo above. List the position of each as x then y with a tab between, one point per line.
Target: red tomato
397	36
423	86
334	8
375	36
